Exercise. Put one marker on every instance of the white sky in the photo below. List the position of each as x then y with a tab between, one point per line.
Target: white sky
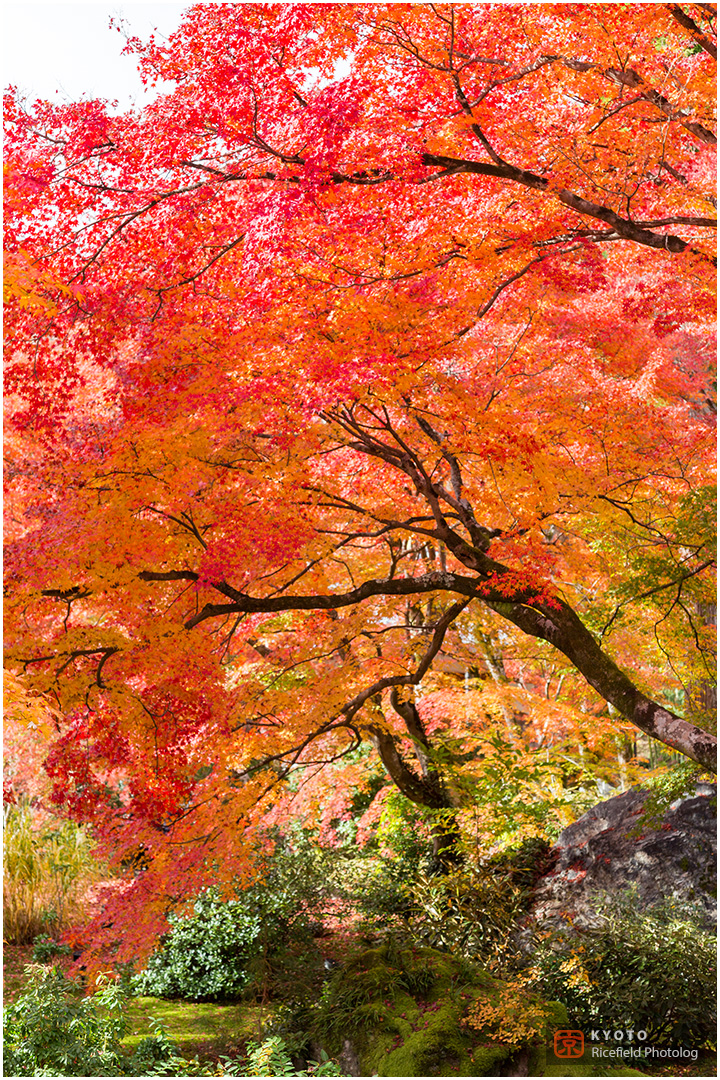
64	52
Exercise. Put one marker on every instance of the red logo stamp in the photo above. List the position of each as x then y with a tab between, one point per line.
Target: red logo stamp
569	1044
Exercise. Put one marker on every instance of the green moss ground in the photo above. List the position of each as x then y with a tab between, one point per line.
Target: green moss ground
202	1029
402	1009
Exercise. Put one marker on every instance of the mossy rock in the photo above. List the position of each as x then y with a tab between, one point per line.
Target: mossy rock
401	1009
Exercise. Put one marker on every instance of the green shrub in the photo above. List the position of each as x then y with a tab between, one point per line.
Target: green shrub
292	1020
472	912
51	1030
653	971
46	948
156	1056
256	943
206	955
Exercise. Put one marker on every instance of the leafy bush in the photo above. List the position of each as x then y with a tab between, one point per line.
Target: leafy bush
292	1021
46	948
51	1030
472	912
405	830
268	1058
652	971
206	955
256	942
156	1055
54	1030
48	867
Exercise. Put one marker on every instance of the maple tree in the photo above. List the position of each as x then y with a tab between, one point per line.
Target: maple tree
376	349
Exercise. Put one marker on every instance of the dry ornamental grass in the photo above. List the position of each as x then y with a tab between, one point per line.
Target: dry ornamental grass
47	871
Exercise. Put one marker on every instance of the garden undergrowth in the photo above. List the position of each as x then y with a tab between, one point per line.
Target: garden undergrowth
206	1029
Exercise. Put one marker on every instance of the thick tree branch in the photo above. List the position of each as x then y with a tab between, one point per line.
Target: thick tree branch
687	24
426	790
407	711
630	78
559	625
437	581
629	230
168	575
417	789
553	621
532	610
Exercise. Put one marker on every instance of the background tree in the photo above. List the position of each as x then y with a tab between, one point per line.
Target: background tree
372	337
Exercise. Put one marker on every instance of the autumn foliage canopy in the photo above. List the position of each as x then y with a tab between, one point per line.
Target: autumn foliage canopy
358	391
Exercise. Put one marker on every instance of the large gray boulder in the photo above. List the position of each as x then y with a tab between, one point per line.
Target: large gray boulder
611	849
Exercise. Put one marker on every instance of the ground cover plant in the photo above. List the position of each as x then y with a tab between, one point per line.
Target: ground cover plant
196	1029
360	484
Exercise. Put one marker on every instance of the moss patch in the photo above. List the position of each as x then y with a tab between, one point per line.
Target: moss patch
203	1029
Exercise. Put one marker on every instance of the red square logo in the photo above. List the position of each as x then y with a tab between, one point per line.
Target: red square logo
569	1044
